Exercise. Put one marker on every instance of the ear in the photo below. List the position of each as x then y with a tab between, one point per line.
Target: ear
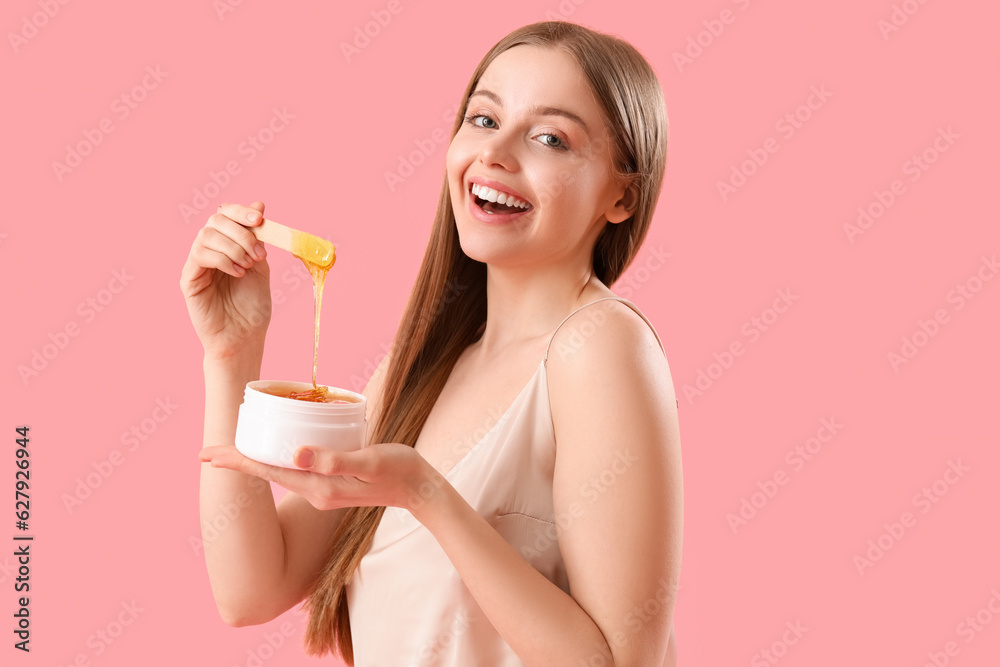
623	209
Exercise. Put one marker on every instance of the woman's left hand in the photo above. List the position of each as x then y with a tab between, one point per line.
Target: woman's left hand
389	474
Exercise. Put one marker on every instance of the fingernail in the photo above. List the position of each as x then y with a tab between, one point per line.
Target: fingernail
253	216
258	251
247	260
238	269
304	458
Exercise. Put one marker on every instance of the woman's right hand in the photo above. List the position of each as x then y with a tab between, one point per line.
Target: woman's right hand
225	282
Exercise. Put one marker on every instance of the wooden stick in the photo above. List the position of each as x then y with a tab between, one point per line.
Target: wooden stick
305	246
275	234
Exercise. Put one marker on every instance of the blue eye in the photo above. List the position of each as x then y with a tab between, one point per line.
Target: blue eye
555	143
472	120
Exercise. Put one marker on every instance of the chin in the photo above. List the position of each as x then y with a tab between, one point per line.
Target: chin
487	251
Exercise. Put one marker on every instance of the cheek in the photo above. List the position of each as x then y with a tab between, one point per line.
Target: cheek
460	151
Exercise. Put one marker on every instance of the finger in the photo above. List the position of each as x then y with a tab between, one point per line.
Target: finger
209	258
219	241
193	279
198	269
251	215
237	233
207	453
329	462
231	458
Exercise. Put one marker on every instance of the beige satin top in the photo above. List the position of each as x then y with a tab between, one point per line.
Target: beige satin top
408	605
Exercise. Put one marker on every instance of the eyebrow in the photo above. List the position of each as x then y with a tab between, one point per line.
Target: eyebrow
536	110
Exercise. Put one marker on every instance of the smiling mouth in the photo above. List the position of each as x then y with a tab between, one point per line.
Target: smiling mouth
495	202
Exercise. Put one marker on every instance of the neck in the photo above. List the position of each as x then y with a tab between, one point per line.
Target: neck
525	303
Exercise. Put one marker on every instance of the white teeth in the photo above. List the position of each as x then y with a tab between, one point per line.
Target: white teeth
489	194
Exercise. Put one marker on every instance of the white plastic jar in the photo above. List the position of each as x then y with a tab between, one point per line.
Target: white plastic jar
270	428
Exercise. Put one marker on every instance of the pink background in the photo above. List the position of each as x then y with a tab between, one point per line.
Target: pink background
63	237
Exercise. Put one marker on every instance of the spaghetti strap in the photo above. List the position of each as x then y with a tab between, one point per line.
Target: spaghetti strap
628	303
603	298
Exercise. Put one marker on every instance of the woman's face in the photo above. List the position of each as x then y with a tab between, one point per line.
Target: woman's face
534	130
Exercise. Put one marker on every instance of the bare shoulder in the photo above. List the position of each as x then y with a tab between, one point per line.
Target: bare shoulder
605	362
601	338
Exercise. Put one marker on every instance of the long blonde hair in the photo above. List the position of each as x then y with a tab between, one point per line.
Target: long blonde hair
437	326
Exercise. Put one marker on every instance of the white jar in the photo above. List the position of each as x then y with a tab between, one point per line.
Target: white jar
270	428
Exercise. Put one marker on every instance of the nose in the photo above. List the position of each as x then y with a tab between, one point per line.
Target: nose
499	149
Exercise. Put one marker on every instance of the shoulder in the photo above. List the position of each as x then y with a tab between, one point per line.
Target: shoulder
605	360
601	334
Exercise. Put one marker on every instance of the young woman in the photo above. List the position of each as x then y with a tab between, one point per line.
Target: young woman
520	498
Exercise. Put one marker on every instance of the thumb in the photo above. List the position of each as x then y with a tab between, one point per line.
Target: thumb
330	462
